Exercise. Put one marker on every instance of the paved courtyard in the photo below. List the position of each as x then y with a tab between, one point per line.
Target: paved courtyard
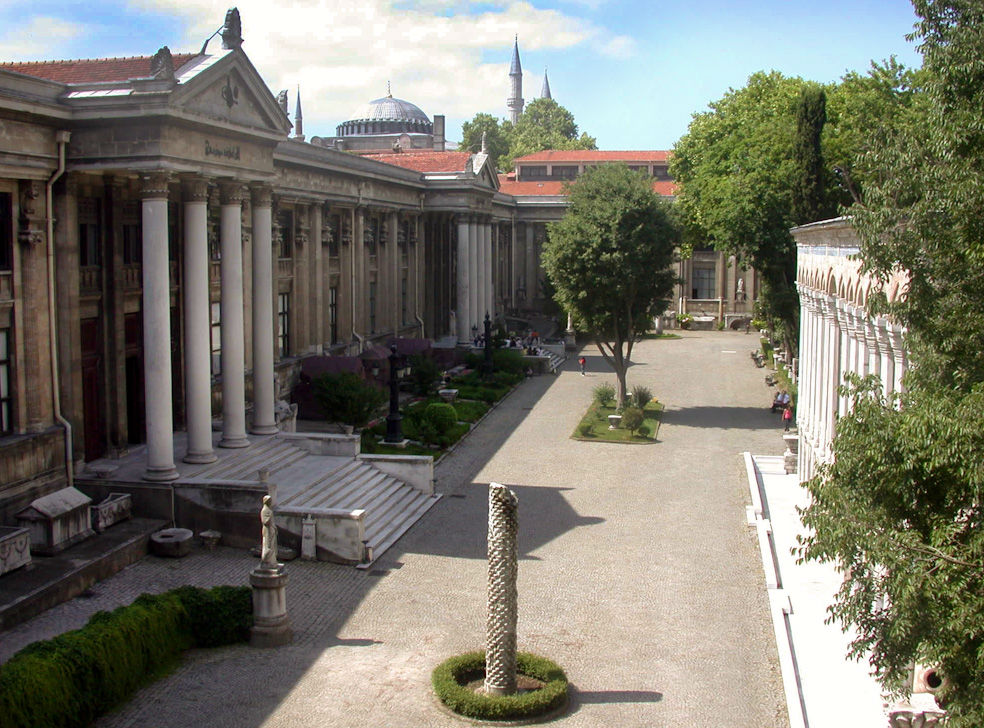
639	574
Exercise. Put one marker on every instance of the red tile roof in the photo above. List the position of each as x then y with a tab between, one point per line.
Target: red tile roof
532	188
595	156
424	160
96	70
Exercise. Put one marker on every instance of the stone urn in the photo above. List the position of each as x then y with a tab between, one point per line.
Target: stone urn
614	422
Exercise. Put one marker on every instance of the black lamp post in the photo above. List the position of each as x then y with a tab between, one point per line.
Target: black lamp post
487	366
394	430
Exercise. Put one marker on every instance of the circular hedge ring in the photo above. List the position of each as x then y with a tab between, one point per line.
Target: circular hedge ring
452	681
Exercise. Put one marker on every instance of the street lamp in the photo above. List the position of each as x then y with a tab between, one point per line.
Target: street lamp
394	428
487	365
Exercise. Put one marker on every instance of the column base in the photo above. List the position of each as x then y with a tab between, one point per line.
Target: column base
159	474
271	626
264	430
200	458
233	442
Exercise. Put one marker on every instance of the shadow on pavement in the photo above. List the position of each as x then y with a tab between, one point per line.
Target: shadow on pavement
747	418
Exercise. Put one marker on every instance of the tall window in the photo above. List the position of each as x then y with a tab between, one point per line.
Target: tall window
703	281
285	220
90	231
334	231
564	172
333	314
5	395
403	299
132	232
6	232
372	307
283	324
216	313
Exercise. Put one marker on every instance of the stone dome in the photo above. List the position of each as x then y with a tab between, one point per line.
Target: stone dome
386	115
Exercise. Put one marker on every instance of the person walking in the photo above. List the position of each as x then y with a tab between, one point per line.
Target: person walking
787	416
582	361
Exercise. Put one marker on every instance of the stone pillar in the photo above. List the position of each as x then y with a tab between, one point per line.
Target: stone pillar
317	279
474	282
896	338
157	330
886	364
490	263
233	349
38	399
197	322
500	633
264	417
833	359
843	366
463	304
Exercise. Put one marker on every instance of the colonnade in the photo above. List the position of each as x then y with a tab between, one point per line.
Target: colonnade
838	338
473	278
157	321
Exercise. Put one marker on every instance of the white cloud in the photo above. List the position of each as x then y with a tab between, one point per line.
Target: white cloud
34	41
436	53
621	47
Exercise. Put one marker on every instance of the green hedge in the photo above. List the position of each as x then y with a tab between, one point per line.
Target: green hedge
451	677
74	678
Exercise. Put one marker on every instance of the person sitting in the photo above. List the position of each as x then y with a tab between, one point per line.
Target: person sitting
777	403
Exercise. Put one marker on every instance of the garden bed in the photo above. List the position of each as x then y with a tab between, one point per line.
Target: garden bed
594	425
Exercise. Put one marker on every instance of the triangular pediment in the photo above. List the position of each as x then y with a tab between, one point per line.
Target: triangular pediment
228	91
482	169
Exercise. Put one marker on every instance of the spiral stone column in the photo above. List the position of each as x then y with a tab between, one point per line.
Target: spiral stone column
500	631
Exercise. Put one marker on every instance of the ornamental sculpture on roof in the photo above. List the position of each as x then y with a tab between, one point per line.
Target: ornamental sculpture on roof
232	30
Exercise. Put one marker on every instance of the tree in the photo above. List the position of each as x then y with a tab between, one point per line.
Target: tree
901	508
735	172
809	193
545	124
496	137
609	260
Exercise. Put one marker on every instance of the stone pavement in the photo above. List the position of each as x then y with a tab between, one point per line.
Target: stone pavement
638	573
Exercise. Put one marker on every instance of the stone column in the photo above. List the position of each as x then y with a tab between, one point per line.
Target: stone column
833	359
844	364
500	633
317	278
886	365
896	338
264	418
871	344
474	281
157	330
197	321
489	266
233	349
463	303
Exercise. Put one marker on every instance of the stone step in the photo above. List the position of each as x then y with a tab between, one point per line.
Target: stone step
383	535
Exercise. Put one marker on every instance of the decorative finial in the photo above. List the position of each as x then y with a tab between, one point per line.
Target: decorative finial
485	148
162	65
232	30
389	92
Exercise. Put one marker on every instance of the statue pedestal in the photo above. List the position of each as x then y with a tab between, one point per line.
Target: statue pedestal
271	626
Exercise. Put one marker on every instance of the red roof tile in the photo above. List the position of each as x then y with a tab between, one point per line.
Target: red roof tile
534	188
595	156
96	70
425	161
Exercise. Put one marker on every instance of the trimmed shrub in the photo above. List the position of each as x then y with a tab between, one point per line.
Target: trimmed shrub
441	416
603	393
71	680
450	680
643	430
585	429
632	418
509	361
347	398
641	395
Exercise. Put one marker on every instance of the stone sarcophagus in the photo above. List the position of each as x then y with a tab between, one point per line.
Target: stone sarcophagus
57	520
15	548
114	508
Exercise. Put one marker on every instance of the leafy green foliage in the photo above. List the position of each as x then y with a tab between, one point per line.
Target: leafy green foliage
603	393
609	260
632	418
69	681
441	416
424	373
496	137
347	398
450	681
809	188
900	508
641	395
545	124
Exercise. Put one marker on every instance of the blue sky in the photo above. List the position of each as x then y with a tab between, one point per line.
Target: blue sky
632	72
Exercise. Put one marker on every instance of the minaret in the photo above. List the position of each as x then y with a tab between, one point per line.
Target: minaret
545	91
515	101
298	120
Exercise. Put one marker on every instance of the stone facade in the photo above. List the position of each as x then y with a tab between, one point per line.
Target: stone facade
837	335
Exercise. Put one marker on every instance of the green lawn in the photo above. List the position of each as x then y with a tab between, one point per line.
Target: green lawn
594	425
